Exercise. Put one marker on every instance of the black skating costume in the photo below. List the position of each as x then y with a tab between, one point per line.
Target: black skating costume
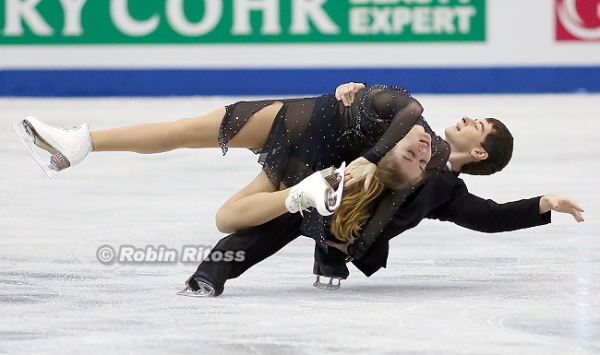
312	134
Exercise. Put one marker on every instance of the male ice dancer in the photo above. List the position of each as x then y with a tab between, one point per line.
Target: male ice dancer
480	147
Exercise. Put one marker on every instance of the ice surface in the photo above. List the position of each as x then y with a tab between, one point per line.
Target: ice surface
446	290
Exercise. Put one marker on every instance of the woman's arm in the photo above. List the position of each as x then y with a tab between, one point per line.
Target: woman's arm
391	107
345	92
393	112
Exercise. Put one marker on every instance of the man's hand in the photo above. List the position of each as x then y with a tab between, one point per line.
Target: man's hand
359	169
561	204
343	247
345	92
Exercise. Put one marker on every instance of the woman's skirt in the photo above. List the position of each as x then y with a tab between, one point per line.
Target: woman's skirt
304	137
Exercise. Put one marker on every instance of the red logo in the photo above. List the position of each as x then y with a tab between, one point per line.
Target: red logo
577	20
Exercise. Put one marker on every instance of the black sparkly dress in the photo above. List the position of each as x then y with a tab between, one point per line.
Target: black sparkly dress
314	133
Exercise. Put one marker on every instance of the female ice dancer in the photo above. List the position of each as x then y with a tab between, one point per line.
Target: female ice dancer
294	137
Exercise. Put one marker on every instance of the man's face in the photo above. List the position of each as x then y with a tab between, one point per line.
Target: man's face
467	134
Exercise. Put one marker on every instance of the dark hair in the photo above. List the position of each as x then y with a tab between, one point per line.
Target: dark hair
499	146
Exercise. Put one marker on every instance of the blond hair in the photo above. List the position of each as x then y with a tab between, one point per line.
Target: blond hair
356	205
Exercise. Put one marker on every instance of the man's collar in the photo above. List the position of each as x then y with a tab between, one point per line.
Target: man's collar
449	168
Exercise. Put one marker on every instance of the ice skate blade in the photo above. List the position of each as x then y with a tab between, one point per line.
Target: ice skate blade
28	140
334	198
328	286
205	291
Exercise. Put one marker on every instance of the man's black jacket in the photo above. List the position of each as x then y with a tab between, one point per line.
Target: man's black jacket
445	197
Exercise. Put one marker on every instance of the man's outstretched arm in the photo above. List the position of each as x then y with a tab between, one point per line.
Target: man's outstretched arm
475	213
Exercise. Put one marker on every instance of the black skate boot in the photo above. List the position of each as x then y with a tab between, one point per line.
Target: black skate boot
209	279
331	267
197	286
332	277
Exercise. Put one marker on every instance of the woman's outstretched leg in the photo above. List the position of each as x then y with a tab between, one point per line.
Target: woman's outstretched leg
197	132
70	146
148	138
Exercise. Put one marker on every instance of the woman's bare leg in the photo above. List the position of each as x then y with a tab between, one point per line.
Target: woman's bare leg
198	132
253	205
257	203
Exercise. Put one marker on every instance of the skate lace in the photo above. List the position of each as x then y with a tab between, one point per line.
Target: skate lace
66	129
302	200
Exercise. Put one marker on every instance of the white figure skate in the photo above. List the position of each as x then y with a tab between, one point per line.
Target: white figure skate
321	190
68	147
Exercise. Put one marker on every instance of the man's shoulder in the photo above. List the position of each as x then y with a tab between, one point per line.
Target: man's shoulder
445	183
446	175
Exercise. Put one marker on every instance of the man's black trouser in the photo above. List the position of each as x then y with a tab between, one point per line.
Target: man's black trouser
260	242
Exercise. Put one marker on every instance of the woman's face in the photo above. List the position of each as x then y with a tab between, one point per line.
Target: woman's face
413	152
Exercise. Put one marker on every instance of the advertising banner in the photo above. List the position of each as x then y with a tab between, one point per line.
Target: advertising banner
296	47
577	20
27	22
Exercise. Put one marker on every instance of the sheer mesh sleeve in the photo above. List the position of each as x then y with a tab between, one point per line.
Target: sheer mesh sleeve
385	210
394	111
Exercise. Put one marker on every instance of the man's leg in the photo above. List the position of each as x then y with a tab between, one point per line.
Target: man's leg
331	265
248	247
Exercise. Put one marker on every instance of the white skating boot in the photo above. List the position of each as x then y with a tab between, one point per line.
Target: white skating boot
321	190
67	146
